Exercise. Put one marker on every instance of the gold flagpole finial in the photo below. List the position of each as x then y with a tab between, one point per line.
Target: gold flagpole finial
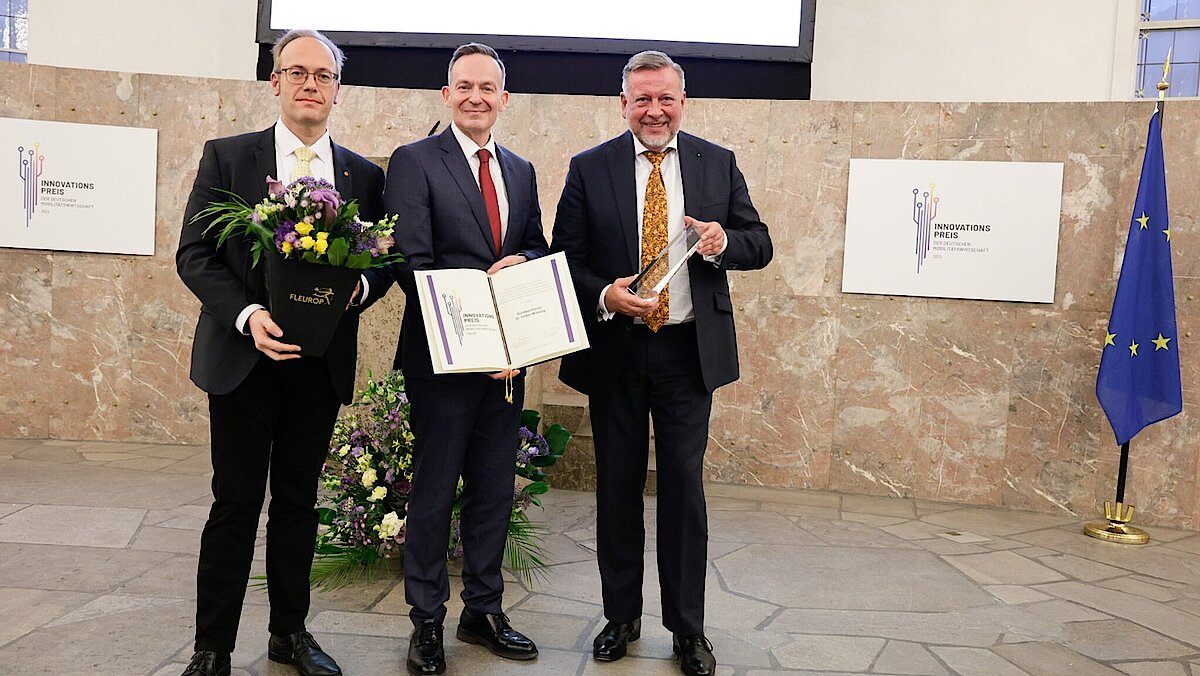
1163	85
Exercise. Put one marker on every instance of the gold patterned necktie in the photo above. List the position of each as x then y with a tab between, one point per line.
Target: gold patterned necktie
304	156
654	236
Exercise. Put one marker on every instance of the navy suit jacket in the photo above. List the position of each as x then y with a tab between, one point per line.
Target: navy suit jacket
597	225
223	279
443	224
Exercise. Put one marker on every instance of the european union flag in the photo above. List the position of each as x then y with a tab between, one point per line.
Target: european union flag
1139	381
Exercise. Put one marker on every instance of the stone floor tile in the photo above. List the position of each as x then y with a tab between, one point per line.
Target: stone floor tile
900	657
26	481
50	454
1152	560
84	569
174	540
850	534
1109	640
804	510
15	446
547	602
181	523
1049	659
1002	522
828	653
199	465
1150	614
885	506
134	642
1132	585
717	503
1003	568
174	452
873	519
28	609
914	530
1015	594
764	527
1154	668
847	578
976	661
1190	544
1032	552
947	628
1079	568
366	624
142	463
107	456
7	508
943	547
68	525
173	578
555	631
635	666
778	496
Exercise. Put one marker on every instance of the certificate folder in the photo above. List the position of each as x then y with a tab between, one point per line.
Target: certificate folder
521	315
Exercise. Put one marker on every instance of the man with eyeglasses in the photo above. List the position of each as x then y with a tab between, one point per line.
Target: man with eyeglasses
271	412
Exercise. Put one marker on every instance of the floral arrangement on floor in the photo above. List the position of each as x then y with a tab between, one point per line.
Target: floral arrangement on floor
368	475
305	220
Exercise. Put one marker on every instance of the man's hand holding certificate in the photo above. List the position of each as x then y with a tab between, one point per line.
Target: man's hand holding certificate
520	315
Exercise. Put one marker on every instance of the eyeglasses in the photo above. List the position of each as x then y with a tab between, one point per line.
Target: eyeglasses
298	76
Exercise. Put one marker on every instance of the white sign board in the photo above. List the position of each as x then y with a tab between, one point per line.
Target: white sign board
77	187
950	229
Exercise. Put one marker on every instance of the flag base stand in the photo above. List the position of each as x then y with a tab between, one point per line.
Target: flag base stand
1115	527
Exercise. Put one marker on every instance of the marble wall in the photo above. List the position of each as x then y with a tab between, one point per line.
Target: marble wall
980	402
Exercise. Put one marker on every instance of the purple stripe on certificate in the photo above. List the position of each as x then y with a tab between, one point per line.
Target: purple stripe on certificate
562	301
437	310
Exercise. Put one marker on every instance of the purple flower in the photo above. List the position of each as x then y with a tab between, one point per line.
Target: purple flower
327	199
274	187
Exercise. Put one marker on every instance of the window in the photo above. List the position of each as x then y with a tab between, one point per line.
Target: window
14	30
1169	25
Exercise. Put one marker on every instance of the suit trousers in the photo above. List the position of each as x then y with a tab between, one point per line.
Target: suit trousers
275	426
660	379
461	426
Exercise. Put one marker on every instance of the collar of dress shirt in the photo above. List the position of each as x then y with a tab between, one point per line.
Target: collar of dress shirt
468	146
286	143
638	148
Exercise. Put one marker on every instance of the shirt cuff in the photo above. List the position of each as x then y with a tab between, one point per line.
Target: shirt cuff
715	259
602	312
244	316
366	289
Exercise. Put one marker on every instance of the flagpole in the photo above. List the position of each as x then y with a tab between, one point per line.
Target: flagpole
1115	527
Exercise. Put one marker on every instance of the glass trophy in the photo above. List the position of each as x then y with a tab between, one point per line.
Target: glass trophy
658	273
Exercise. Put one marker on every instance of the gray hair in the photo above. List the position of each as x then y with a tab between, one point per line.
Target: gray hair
475	48
649	60
338	57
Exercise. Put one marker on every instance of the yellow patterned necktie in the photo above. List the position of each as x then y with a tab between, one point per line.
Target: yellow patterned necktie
654	237
304	156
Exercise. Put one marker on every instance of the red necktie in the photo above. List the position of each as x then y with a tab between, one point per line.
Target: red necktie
489	196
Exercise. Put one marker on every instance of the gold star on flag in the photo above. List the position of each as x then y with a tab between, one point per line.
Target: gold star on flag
1160	343
1143	220
1133	349
1167	232
1108	339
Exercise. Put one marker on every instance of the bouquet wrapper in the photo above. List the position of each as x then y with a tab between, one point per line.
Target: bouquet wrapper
307	301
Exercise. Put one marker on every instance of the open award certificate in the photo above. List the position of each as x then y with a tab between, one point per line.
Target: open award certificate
522	315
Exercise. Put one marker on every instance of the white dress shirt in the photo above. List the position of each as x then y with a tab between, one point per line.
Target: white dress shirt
471	151
321	166
681	284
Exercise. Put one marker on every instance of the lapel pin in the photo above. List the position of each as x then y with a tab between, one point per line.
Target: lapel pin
345	172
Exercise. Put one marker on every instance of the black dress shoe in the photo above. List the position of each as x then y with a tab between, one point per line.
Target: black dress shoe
494	633
301	651
612	641
694	654
208	663
425	653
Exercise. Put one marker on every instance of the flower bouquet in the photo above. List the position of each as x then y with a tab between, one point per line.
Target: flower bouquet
317	247
368	475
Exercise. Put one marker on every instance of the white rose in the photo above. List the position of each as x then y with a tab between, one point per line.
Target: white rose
369	478
377	494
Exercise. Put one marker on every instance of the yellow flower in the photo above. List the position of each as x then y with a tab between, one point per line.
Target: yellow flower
322	236
368	479
321	245
287	247
304	228
307	242
343	450
377	494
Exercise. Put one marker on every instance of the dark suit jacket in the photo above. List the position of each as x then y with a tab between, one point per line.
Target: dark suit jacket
443	224
597	225
223	279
